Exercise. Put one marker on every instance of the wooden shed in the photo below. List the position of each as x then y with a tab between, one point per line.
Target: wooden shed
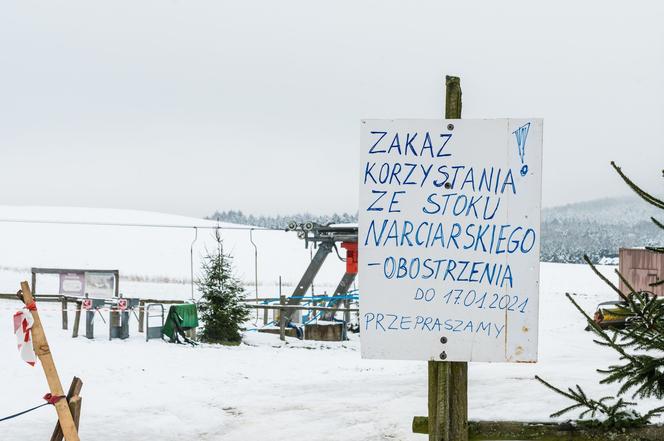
641	268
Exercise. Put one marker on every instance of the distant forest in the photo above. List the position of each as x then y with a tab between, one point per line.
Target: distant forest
597	228
278	221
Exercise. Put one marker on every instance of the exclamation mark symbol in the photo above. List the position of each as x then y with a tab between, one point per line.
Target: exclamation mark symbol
521	135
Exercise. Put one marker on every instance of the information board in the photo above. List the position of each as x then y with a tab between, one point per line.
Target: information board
100	285
449	225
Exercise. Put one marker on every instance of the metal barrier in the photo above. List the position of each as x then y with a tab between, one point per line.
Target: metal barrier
154	331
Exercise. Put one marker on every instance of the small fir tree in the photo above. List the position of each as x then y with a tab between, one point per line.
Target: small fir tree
639	346
221	309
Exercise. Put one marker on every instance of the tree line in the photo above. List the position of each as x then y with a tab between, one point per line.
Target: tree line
595	228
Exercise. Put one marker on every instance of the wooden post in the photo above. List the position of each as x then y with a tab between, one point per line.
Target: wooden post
448	381
549	431
458	399
75	409
72	395
452	97
77	319
65	318
458	371
439	373
43	351
265	317
282	318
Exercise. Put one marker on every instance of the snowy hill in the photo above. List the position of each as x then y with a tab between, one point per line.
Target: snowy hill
144	255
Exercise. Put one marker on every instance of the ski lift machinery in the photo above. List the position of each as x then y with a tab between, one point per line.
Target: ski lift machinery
324	239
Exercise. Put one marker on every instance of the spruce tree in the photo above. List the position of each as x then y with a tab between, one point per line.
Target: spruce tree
221	309
639	347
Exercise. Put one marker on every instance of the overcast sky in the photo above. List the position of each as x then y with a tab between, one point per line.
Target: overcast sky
194	106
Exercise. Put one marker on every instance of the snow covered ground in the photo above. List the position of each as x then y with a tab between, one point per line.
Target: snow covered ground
262	389
266	390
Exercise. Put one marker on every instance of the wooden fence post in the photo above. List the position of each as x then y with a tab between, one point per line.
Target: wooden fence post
282	318
65	318
448	381
43	351
77	319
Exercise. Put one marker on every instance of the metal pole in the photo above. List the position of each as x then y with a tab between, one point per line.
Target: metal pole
282	314
191	261
251	239
311	258
117	283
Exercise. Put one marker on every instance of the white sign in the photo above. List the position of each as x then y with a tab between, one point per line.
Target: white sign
72	284
449	226
100	285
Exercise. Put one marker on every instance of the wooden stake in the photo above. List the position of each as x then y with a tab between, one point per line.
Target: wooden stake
448	381
75	409
74	390
43	351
